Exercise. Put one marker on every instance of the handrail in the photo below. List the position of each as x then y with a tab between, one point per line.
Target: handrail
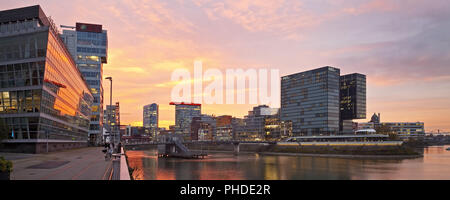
124	172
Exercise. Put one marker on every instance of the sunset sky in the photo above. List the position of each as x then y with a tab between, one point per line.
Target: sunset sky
402	46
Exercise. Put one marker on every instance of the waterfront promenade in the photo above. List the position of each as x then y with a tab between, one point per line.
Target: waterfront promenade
75	164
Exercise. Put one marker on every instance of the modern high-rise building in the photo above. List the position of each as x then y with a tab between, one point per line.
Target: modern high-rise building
112	121
352	100
184	112
44	99
310	101
150	119
88	45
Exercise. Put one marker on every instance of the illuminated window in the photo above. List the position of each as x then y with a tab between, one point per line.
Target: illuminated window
93	58
94	108
5	95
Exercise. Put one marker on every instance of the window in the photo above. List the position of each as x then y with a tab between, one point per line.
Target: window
94	108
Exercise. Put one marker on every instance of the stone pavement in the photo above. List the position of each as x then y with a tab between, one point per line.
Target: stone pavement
75	164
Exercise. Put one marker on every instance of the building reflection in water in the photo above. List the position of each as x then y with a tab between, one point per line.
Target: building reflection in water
222	166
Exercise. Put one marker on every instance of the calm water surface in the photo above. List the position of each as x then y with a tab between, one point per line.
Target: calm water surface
223	166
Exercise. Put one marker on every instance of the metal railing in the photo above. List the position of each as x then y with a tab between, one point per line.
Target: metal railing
120	167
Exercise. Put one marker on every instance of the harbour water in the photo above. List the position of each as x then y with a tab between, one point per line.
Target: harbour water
435	164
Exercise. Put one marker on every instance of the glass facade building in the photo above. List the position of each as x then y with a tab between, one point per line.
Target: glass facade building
43	96
352	100
353	96
310	101
150	119
88	45
184	112
255	123
112	121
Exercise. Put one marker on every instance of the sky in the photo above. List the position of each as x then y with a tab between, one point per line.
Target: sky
401	46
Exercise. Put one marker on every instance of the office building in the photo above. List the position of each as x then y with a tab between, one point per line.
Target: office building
88	45
400	128
224	128
203	127
44	99
352	101
150	119
184	112
112	121
403	129
238	127
255	122
135	131
310	101
275	129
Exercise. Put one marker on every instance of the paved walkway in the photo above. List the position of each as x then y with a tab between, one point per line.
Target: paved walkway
75	164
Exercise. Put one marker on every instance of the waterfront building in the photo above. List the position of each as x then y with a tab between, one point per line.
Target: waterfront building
224	128
44	99
403	129
363	140
112	121
310	101
165	133
200	130
136	131
88	45
352	101
123	130
255	122
238	127
150	119
203	128
184	112
275	129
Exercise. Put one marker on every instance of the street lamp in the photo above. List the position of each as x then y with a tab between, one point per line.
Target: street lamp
110	106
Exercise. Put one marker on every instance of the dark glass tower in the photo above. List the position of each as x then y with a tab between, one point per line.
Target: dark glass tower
353	96
310	101
352	100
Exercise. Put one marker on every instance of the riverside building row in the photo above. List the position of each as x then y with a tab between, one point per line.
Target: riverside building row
315	102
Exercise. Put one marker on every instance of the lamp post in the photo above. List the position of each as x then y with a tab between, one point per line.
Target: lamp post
109	112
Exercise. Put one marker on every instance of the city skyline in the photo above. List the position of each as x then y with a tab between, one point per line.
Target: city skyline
402	51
